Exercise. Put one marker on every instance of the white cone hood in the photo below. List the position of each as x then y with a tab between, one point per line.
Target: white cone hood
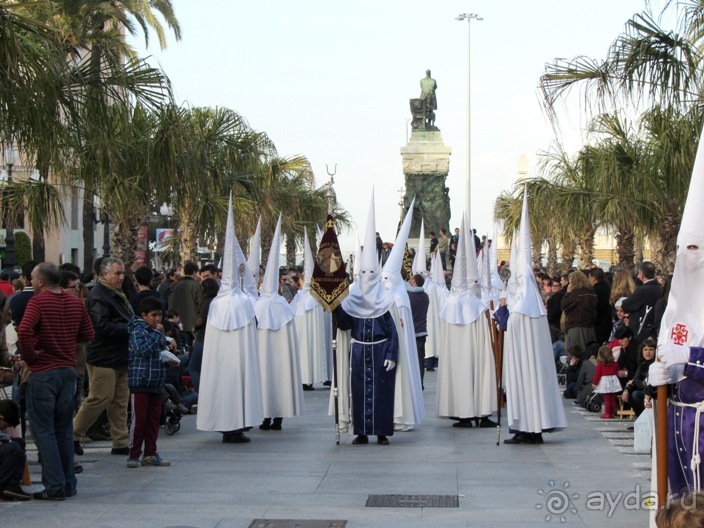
682	323
304	301
419	263
367	297
463	306
528	300
231	309
272	310
391	273
251	282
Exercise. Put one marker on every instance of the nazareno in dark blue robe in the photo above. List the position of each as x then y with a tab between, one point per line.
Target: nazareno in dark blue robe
682	420
374	340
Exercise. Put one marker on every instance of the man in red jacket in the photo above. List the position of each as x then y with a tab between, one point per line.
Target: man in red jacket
53	323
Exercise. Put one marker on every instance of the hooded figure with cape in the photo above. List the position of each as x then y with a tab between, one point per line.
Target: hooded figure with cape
534	403
408	401
230	397
467	375
279	358
373	345
310	326
681	346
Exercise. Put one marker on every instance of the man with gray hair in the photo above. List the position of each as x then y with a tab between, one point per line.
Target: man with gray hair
53	323
106	358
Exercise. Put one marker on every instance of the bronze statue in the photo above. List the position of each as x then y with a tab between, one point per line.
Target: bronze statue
428	85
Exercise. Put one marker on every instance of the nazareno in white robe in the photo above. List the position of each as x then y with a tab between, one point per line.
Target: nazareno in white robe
467	374
310	329
344	403
231	392
408	396
533	398
436	298
280	369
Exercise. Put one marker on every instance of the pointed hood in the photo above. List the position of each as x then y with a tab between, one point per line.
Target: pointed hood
367	297
463	306
272	310
231	309
682	323
357	258
251	282
391	273
304	301
528	300
419	263
472	267
496	281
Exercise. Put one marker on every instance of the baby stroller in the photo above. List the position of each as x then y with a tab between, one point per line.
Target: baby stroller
173	410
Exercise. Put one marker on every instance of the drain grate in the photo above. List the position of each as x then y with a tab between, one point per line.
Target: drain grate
296	523
413	501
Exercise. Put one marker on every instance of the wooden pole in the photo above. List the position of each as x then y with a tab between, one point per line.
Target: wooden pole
661	432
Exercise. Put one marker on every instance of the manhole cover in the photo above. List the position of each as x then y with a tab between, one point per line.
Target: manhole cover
413	501
296	523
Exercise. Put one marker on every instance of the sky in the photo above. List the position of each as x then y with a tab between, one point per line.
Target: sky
331	80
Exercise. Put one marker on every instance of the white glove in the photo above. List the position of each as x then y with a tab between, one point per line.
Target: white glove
658	374
390	365
670	354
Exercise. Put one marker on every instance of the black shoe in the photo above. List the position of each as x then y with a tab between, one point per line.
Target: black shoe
70	492
45	495
464	422
629	428
266	424
276	424
327	383
77	448
537	438
120	451
486	422
237	438
15	492
308	387
520	438
77	468
382	440
431	369
361	439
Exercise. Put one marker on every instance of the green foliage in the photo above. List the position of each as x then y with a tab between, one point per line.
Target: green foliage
23	248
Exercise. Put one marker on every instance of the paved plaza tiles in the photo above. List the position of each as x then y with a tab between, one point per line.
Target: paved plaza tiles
585	476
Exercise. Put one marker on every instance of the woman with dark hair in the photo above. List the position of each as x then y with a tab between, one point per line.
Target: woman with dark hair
635	390
628	356
579	306
210	290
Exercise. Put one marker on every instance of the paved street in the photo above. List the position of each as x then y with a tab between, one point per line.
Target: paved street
299	473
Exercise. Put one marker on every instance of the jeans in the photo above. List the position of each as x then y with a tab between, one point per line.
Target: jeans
194	365
50	404
12	460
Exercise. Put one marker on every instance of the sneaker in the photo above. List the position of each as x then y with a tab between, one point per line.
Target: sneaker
133	463
155	460
46	496
15	492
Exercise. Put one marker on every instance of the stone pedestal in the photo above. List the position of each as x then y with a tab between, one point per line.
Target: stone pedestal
426	162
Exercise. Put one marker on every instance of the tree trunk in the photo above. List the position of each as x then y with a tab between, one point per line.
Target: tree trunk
39	255
290	251
567	255
667	237
88	234
552	256
586	246
625	247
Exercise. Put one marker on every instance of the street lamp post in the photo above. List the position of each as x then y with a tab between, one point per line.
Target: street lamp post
469	17
9	260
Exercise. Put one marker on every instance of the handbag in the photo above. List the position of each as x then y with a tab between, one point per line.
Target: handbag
643	432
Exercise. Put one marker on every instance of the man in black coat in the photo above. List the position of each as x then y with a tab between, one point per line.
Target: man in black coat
602	323
107	357
639	305
419	309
